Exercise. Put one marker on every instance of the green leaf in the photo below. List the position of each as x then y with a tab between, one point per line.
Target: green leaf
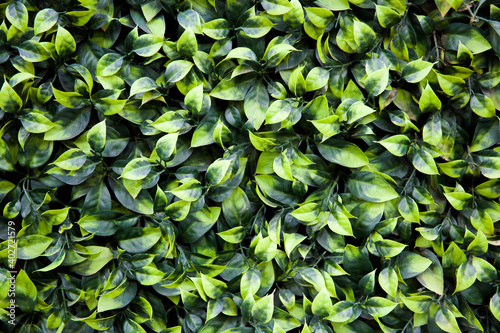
262	310
119	301
342	311
429	101
317	78
489	189
409	209
194	99
411	264
432	278
17	14
100	223
388	280
416	70
33	51
166	146
236	208
389	248
26	293
458	199
378	306
276	7
377	81
109	64
234	235
340	224
487	134
136	169
137	240
9	99
322	304
96	136
213	287
296	81
68	98
216	29
343	153
397	144
482	105
189	191
232	89
320	17
495	306
197	224
187	44
257	26
147	45
370	187
446	320
32	246
335	5
387	16
450	84
469	36
142	85
364	36
277	112
44	20
424	162
54	264
357	111
479	245
486	272
328	126
35	122
256	104
177	70
65	43
72	159
96	263
250	282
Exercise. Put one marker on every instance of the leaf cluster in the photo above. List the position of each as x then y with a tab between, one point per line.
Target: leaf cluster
250	166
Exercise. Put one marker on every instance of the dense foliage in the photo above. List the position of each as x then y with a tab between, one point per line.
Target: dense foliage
250	166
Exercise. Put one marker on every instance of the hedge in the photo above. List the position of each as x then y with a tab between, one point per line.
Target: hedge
249	166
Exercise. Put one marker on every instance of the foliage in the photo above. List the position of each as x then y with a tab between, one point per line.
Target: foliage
251	166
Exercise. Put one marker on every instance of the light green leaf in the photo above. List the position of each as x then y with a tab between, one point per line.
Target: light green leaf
65	43
32	246
44	20
416	70
397	144
26	293
147	45
17	14
72	159
343	153
257	26
370	187
136	169
262	310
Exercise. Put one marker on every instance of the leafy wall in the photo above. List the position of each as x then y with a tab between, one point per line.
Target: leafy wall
250	166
